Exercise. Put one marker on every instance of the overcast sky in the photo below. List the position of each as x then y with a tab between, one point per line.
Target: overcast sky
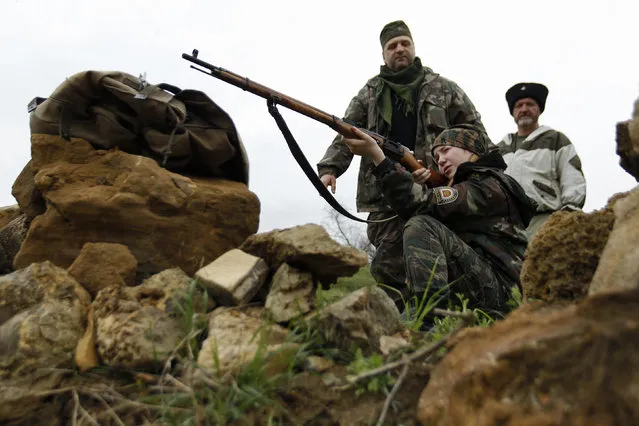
322	53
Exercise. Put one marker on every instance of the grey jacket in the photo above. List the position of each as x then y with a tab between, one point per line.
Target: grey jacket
547	166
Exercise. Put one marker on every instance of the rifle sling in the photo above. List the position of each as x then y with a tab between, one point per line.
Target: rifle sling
308	169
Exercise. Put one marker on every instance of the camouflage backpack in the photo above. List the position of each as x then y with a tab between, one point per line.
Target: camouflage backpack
183	130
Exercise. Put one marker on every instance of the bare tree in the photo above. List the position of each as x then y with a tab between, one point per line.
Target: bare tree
348	232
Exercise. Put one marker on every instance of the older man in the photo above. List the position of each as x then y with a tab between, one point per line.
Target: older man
410	104
541	159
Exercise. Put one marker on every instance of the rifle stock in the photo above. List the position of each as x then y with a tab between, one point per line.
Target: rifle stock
392	149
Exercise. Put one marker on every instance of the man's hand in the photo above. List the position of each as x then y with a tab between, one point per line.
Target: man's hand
329	180
420	176
365	146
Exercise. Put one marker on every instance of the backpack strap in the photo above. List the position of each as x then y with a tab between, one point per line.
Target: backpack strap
169	88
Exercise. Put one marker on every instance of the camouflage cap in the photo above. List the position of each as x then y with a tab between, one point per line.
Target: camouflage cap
464	136
392	30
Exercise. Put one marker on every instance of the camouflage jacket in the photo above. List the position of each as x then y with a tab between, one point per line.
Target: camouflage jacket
485	207
441	103
547	166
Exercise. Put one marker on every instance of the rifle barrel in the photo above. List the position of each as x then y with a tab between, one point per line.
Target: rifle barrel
267	93
400	153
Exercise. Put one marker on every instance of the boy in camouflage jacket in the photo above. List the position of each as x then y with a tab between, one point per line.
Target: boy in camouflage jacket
471	232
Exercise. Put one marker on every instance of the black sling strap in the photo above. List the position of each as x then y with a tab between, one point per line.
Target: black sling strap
308	169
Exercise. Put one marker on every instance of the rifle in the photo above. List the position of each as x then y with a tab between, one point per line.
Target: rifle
392	149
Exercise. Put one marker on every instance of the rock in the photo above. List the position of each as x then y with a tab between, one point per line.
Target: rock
86	354
24	401
292	294
236	337
360	318
140	327
167	220
8	213
390	344
307	247
11	237
542	366
619	264
317	364
233	278
562	257
141	339
42	317
628	143
24	190
100	265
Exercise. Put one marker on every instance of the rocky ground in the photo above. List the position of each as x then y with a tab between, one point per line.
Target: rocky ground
131	295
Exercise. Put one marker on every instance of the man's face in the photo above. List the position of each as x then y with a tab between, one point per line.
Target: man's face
526	112
398	52
449	158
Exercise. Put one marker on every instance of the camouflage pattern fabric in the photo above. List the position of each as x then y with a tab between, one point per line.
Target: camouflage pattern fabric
484	209
392	30
441	104
465	136
387	265
430	244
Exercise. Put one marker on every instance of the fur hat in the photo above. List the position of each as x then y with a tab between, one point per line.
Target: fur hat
536	91
464	136
392	30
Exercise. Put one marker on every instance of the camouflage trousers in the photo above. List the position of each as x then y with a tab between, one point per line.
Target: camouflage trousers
428	245
387	265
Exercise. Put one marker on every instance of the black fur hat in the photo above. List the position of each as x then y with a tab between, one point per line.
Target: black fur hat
536	91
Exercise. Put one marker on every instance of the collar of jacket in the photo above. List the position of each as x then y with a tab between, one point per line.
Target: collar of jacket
493	164
492	160
508	139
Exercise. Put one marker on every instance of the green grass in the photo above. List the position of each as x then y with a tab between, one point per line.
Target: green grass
380	383
345	286
226	398
516	298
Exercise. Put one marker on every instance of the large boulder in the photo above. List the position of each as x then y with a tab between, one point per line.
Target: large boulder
562	257
619	264
569	366
309	248
42	317
167	220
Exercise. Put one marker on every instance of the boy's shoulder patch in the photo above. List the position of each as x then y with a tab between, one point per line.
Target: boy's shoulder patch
445	195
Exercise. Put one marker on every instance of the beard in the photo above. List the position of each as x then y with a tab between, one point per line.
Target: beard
400	62
525	121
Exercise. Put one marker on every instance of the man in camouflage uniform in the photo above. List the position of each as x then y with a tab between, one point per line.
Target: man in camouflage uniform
407	103
469	234
541	159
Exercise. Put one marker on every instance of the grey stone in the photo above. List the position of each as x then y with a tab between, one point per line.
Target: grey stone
233	278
